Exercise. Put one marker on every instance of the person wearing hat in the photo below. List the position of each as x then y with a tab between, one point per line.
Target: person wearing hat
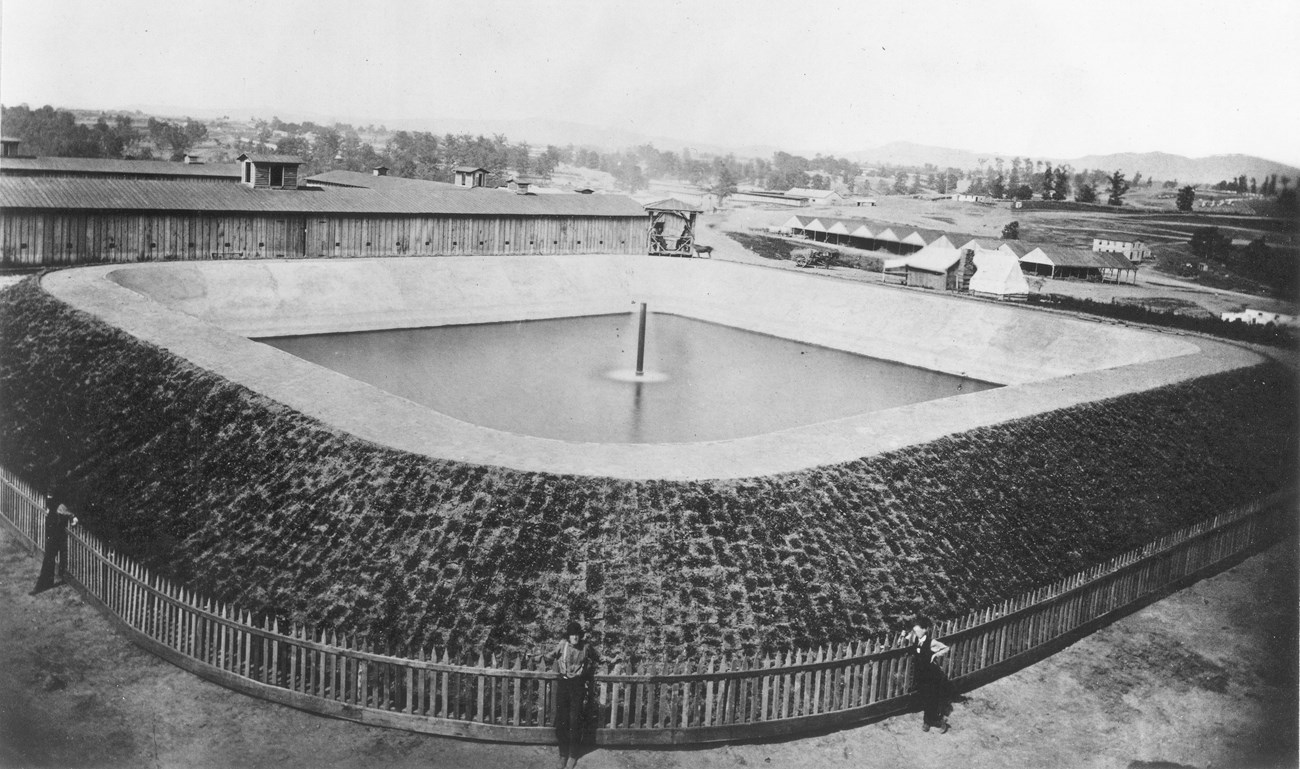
57	519
932	685
575	662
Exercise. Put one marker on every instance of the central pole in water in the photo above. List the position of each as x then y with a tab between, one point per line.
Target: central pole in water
640	344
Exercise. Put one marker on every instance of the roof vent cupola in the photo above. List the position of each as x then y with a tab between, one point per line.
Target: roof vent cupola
470	176
274	172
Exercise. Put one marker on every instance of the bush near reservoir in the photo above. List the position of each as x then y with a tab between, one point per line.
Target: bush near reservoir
249	501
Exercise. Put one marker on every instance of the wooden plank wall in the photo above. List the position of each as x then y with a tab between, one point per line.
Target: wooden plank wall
48	239
695	701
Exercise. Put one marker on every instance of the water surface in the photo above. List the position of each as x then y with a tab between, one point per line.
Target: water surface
568	378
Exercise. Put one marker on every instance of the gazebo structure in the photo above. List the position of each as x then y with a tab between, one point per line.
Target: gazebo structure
672	227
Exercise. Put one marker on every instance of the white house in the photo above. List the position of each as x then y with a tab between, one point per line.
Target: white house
814	197
1133	249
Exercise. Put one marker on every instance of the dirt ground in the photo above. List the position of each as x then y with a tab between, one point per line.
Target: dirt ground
1204	678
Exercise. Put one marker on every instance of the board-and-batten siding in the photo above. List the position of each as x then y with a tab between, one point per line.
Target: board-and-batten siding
56	238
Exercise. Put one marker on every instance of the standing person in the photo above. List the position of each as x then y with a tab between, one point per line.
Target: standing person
575	661
57	519
931	682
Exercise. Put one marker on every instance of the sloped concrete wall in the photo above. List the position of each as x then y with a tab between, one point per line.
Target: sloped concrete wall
986	341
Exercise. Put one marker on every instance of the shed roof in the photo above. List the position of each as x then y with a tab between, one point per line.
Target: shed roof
672	204
259	158
1079	258
1123	237
805	192
411	198
930	236
375	182
469	169
117	166
935	259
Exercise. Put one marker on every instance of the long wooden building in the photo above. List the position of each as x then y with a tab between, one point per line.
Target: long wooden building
267	212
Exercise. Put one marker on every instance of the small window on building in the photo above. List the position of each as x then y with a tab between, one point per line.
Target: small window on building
248	173
277	176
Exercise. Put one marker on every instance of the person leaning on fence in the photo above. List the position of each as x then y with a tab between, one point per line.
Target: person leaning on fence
57	519
575	661
932	685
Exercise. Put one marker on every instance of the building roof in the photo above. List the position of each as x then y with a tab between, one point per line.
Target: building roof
1079	258
1017	247
375	182
1122	237
469	169
411	197
930	236
79	166
935	259
805	192
672	204
257	158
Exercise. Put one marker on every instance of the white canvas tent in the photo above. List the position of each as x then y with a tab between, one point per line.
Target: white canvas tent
998	275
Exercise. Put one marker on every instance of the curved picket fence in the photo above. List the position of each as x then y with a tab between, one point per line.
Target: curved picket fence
715	700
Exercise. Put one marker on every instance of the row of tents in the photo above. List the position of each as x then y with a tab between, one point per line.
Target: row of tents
938	260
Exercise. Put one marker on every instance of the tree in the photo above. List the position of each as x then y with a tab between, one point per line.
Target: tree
1022	192
1185	197
1208	243
180	138
1087	194
1011	231
1049	180
1062	187
900	183
1137	178
724	185
1117	189
998	188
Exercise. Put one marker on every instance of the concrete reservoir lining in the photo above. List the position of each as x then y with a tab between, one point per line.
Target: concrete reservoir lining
206	312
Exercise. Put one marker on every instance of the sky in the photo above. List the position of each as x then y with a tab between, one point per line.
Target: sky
1045	79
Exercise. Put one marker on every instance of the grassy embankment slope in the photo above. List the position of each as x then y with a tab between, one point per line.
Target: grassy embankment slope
248	500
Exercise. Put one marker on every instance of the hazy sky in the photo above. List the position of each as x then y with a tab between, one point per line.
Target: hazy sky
1045	79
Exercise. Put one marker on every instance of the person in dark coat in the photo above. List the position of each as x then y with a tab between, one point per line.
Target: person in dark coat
57	519
932	683
575	661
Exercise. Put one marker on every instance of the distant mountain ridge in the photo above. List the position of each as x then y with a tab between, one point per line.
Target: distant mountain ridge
1154	165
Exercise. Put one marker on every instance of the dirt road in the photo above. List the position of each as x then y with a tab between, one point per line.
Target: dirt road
1204	678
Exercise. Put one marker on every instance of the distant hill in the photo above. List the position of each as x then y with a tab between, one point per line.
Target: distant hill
1163	166
1156	165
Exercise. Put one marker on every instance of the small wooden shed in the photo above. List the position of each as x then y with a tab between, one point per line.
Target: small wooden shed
672	227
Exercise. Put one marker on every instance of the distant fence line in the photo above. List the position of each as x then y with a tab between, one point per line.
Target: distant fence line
510	698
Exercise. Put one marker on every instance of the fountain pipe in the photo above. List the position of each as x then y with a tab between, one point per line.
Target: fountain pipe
640	344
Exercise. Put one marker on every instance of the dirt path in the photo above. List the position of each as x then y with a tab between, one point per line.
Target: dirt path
1204	678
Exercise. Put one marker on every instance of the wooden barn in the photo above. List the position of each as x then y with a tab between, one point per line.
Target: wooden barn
270	213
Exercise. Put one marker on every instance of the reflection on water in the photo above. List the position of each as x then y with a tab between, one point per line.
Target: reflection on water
558	378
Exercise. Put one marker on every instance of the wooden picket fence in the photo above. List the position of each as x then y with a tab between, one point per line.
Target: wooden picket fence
715	700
